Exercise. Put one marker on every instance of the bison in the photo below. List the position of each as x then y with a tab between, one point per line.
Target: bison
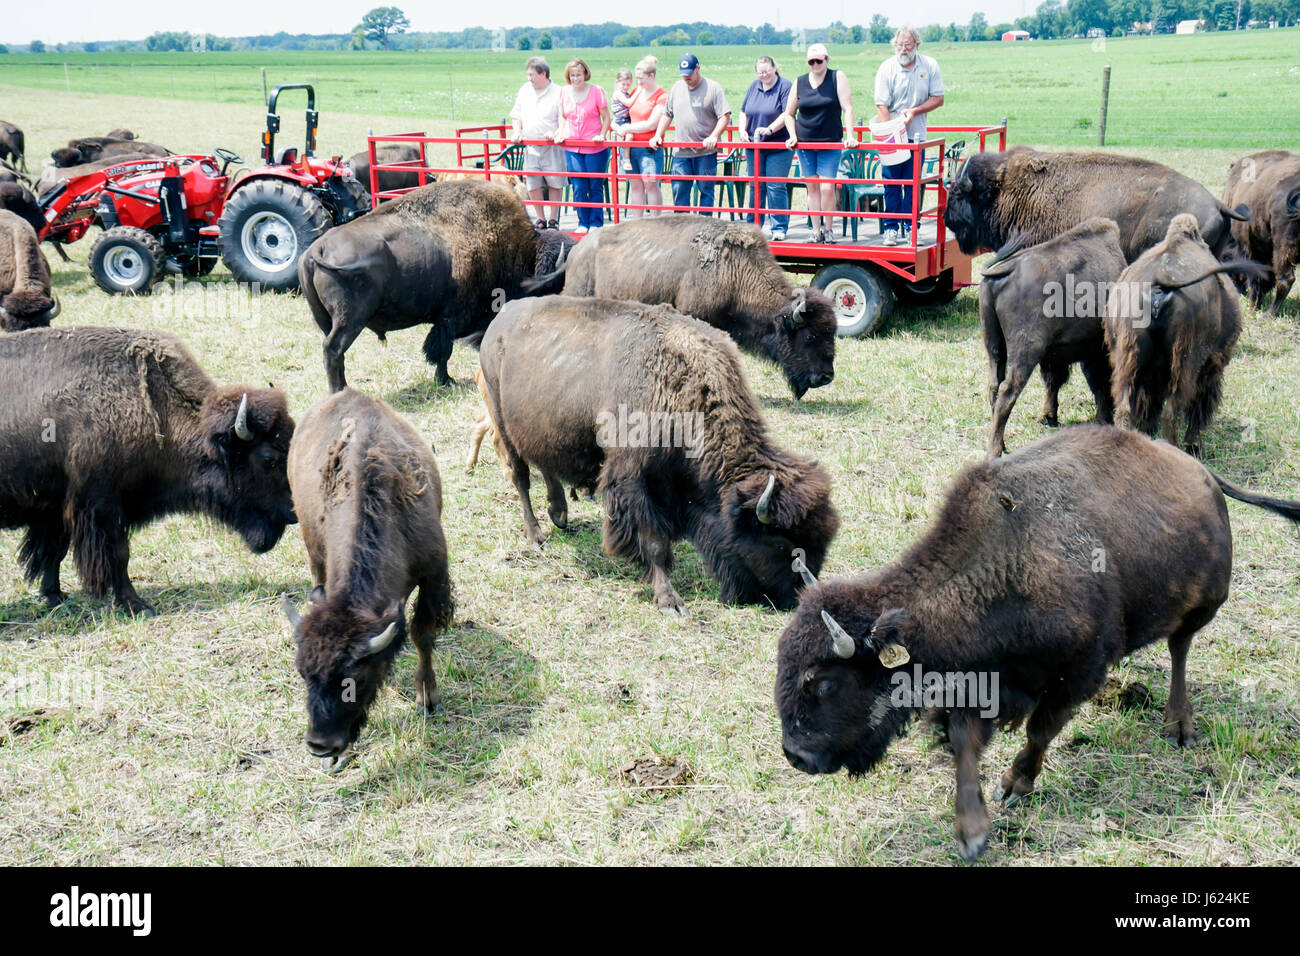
1268	184
25	299
1172	322
19	200
447	254
721	273
92	148
1042	305
1038	574
388	155
105	430
12	146
651	408
368	495
1043	194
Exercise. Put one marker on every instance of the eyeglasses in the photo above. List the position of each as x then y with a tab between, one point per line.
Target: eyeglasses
817	62
904	46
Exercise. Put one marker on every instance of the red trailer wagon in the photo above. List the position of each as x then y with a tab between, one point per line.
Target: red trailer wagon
859	271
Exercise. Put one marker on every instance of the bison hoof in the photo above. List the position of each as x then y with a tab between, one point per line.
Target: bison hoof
972	847
53	599
1007	796
1049	420
335	764
559	518
1180	736
675	609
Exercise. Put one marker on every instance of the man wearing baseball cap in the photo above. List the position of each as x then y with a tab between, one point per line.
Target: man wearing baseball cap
698	108
908	86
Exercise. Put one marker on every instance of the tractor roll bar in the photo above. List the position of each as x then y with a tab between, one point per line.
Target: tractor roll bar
273	121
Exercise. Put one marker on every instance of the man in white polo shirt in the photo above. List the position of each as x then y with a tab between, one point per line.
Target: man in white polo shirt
536	115
908	84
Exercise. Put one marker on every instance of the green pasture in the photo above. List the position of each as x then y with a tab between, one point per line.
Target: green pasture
178	739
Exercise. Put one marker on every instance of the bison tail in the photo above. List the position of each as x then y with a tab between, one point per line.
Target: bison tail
1236	267
1282	506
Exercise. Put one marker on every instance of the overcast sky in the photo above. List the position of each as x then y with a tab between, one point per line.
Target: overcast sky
81	20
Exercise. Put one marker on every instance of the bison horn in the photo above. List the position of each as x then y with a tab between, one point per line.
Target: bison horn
383	639
54	311
844	645
765	501
801	568
241	421
800	303
291	612
564	253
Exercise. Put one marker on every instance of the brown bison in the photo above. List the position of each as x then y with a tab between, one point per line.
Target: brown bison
9	174
25	299
369	499
389	155
1036	576
448	254
1043	194
721	273
12	146
1268	184
106	430
1172	322
1042	305
651	408
88	149
19	200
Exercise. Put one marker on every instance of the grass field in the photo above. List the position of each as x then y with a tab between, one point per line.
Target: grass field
558	672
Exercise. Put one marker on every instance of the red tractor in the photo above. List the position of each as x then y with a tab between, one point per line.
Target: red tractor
180	213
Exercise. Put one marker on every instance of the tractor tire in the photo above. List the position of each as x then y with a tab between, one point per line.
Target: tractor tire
125	259
936	290
861	297
265	227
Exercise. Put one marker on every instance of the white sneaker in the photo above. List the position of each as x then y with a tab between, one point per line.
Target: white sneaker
778	235
890	237
580	231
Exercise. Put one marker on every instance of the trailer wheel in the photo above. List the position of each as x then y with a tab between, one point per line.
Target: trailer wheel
861	297
126	259
265	227
936	290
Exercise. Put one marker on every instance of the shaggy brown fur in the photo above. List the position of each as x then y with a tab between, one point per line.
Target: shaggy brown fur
25	299
12	147
997	195
389	154
91	148
721	273
19	200
105	430
1172	322
1042	569
1268	183
369	499
448	254
555	368
1027	322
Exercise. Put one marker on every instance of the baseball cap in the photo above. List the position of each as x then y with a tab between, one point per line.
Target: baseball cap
817	50
689	62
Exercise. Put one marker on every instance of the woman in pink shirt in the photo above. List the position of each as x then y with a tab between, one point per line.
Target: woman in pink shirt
584	115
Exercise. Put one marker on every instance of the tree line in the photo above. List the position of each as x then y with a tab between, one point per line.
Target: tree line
386	28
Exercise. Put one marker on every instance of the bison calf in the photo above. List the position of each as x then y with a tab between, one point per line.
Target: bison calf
651	407
1268	184
1172	322
105	430
1038	574
1042	305
369	499
720	273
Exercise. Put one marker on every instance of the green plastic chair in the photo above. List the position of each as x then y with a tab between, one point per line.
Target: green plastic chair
859	164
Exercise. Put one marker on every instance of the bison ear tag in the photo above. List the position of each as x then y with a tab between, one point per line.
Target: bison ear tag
894	655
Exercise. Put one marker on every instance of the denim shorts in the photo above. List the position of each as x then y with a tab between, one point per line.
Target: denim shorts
647	162
823	163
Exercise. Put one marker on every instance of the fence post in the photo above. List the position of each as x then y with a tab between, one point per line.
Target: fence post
451	80
66	81
266	97
1105	98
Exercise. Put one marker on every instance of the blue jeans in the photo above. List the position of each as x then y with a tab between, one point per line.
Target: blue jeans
694	166
772	162
646	162
897	198
588	189
823	163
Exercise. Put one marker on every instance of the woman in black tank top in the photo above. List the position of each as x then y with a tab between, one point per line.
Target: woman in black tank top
813	115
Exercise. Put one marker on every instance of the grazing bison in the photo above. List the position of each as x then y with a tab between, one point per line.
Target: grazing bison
12	148
92	148
1268	184
651	407
1042	305
1044	194
25	299
1172	322
447	254
19	200
368	496
721	273
105	430
389	155
1043	568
